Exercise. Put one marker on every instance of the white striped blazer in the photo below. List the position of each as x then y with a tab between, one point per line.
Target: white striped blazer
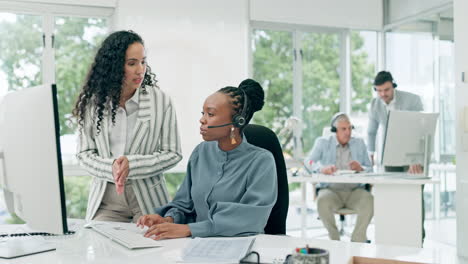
154	148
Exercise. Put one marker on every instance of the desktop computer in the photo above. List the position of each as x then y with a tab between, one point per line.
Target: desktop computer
32	174
409	139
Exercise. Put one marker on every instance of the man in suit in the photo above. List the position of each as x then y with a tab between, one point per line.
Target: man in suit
389	99
340	151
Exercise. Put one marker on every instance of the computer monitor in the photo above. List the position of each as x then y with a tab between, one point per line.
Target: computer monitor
32	175
409	138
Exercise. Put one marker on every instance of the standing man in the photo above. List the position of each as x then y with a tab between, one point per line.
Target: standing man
389	98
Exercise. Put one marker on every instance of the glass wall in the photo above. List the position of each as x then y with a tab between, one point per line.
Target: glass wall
363	70
420	56
320	84
273	68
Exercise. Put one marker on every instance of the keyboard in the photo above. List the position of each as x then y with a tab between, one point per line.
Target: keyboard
126	234
345	172
35	234
382	174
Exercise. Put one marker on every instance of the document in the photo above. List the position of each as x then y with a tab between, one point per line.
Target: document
217	250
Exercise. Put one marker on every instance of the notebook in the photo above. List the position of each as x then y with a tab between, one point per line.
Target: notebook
126	234
217	250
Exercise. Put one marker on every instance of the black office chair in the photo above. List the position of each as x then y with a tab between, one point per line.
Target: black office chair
263	137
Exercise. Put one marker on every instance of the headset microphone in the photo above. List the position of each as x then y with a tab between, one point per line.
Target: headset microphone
220	125
238	120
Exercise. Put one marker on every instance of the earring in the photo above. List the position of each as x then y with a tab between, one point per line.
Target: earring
233	138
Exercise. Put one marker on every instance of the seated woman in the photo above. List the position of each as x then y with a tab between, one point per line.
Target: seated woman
230	186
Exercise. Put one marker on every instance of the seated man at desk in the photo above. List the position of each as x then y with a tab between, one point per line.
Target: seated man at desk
340	151
230	186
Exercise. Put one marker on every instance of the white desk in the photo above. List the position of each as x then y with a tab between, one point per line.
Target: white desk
397	205
87	246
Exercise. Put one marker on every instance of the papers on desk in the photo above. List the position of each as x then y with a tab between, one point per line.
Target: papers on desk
217	250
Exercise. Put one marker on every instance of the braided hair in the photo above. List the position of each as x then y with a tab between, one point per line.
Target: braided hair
255	98
103	85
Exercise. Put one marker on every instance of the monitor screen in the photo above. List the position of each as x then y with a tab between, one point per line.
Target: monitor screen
409	137
32	176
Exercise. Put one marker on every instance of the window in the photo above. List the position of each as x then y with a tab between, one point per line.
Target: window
304	68
363	71
301	74
408	61
447	100
273	69
21	46
321	84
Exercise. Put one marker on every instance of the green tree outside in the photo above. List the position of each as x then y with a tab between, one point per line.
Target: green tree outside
272	67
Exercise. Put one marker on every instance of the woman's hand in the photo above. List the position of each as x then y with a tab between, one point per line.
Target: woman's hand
153	219
120	169
168	230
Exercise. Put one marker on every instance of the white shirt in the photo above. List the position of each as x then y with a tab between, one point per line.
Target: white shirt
391	106
121	132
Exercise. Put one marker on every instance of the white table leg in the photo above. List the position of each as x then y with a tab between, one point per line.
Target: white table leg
304	209
398	214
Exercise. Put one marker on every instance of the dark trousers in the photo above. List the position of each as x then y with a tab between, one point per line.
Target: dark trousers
405	169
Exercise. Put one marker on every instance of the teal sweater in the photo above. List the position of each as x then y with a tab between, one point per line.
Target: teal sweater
225	193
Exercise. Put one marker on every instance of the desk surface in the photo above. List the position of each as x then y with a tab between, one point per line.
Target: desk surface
87	246
356	178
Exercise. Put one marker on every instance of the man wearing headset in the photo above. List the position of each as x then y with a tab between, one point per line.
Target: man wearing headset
389	99
340	151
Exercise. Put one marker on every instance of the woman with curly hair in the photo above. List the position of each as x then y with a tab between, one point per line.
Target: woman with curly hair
128	132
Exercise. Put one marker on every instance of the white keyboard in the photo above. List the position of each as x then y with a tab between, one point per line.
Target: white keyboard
126	234
344	172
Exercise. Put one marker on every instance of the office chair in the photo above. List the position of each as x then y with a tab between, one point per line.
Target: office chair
265	138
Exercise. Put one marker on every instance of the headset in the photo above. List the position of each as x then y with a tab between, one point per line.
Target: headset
238	120
393	84
333	120
389	77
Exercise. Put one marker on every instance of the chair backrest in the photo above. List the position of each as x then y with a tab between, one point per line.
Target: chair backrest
263	137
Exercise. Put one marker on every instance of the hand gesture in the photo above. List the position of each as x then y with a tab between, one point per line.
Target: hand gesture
120	169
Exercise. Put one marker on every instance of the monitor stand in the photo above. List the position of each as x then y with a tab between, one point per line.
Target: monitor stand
14	247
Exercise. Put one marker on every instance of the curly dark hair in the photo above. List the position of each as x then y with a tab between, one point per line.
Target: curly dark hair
255	98
103	85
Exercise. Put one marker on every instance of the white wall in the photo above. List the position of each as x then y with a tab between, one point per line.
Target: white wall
194	47
461	65
401	9
101	3
355	14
